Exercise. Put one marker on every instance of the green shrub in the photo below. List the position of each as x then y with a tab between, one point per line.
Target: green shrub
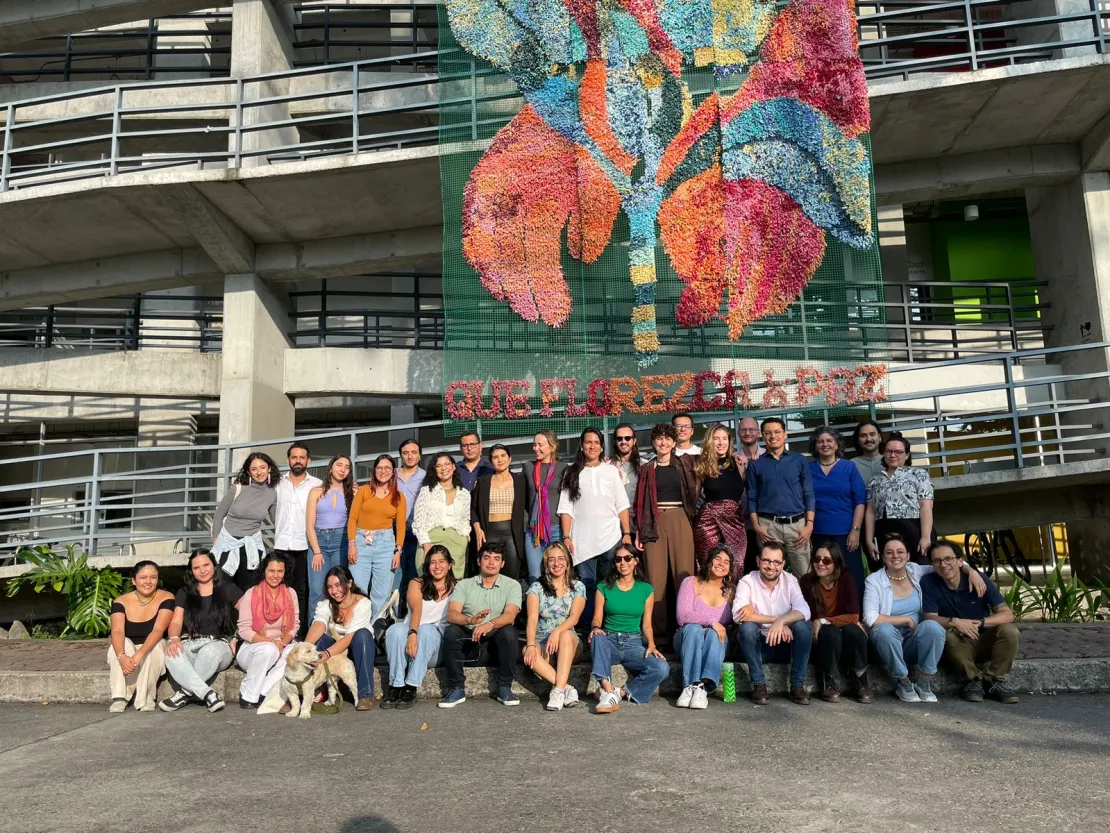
89	591
1059	600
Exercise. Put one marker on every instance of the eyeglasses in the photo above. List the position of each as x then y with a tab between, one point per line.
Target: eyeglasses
823	561
383	467
684	428
620	558
625	439
895	452
469	445
944	562
771	563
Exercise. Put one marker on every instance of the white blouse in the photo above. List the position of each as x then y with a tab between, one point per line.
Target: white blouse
433	511
360	617
595	524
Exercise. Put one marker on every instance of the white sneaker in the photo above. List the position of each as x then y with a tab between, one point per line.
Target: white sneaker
906	692
609	702
685	697
571	695
700	698
924	690
556	700
117	707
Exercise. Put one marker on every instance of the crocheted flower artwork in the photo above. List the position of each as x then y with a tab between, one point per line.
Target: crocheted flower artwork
741	190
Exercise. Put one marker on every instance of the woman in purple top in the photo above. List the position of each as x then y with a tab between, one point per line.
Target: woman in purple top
704	602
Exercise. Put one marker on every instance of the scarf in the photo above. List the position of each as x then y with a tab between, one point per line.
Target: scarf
265	610
541	530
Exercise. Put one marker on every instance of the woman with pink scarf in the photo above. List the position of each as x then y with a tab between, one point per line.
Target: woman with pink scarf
268	623
542	481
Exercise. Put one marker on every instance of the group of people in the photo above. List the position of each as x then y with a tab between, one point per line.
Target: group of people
618	553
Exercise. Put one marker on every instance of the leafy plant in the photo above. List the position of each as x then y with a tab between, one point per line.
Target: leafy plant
88	590
1059	600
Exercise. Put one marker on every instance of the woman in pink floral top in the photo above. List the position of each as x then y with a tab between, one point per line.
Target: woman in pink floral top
704	602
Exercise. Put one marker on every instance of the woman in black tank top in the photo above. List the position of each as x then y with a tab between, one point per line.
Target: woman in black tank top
136	657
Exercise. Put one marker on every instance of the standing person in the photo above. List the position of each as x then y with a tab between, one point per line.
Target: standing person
722	477
626	458
774	623
840	497
290	523
326	524
899	499
269	618
554	605
866	440
442	514
593	512
237	524
622	633
684	430
482	610
472	466
341	623
499	510
204	611
542	479
137	654
376	528
414	645
704	608
780	496
410	477
839	640
750	449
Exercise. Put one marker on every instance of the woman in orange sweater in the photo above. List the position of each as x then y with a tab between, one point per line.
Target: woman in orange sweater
376	530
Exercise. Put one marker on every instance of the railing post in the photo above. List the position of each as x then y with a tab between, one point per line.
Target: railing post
1011	403
354	452
49	338
1012	317
972	54
113	165
6	169
136	321
93	498
354	109
238	155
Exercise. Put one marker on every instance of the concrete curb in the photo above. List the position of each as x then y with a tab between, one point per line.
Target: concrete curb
1039	676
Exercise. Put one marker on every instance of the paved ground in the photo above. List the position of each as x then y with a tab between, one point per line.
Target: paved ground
1037	642
954	766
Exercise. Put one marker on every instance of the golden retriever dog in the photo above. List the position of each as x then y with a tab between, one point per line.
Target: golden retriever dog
304	673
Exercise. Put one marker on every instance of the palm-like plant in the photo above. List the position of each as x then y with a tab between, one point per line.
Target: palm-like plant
89	591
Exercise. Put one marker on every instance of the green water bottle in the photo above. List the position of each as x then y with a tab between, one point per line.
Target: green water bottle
728	681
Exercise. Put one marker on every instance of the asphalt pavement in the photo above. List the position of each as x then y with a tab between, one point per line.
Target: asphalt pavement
951	766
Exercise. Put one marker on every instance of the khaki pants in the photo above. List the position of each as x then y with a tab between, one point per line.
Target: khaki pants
995	647
143	683
797	555
671	556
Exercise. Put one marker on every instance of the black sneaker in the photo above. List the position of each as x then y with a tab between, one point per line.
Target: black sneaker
177	700
213	702
391	699
244	703
408	698
973	691
1003	692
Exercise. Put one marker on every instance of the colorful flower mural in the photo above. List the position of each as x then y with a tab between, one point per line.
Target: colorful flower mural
741	189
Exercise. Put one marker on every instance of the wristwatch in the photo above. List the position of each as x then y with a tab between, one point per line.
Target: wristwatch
412	632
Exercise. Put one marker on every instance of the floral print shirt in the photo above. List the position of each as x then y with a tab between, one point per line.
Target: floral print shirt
554	609
899	495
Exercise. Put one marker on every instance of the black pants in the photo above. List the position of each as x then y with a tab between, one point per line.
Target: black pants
458	645
297	565
503	531
844	646
909	529
244	576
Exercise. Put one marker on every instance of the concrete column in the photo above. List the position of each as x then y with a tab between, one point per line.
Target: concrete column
1070	229
401	414
253	404
183	65
260	44
1052	32
892	243
163	424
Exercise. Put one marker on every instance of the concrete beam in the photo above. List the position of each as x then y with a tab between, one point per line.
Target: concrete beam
23	21
103	277
323	371
352	255
180	374
1096	147
969	174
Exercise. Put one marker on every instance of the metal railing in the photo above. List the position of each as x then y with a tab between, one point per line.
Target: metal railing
329	317
129	322
326	33
1028	409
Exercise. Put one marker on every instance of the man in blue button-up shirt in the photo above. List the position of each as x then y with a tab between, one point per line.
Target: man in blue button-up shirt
780	496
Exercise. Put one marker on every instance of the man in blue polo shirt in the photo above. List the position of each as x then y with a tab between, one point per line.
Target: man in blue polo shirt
780	496
980	629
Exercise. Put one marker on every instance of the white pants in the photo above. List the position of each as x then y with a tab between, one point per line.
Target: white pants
143	683
265	666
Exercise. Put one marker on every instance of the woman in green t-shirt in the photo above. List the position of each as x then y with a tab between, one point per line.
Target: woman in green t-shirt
622	609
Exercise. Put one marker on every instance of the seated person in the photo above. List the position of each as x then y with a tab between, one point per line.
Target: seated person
341	623
702	612
268	622
137	655
980	629
622	632
555	602
482	610
774	623
414	644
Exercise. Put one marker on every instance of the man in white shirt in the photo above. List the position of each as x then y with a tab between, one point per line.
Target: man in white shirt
774	623
289	519
684	426
593	514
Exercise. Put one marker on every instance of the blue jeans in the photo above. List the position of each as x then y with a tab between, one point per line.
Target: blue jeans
755	651
373	570
406	670
899	647
702	652
333	546
644	673
533	553
590	573
361	652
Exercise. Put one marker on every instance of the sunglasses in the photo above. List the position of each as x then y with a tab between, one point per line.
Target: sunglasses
823	561
621	558
625	439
